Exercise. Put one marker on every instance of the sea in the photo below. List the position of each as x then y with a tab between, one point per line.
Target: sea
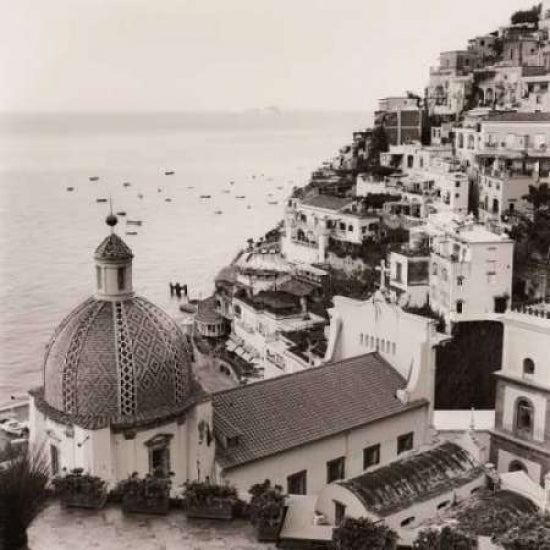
48	233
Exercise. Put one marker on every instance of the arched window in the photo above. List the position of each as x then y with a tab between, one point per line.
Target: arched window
461	141
525	418
528	366
459	306
471	142
237	310
517	466
444	274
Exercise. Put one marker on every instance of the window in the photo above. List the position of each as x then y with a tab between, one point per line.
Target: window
459	306
457	184
528	367
350	227
393	347
297	483
407	521
98	277
405	442
120	277
54	459
342	226
444	274
237	310
410	161
159	453
339	512
459	280
443	504
361	339
434	269
525	415
371	456
336	469
398	272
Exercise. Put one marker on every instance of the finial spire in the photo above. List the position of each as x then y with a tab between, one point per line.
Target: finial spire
111	220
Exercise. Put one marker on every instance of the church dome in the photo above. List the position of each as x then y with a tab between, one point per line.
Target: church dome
117	358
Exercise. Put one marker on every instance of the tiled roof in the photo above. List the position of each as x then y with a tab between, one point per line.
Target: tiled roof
113	248
206	311
292	410
519	117
419	477
329	202
297	288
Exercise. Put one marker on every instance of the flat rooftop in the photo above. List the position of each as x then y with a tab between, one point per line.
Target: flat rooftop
109	529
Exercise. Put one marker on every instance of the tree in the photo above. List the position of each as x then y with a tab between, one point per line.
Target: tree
527	16
378	144
538	196
446	539
363	534
526	532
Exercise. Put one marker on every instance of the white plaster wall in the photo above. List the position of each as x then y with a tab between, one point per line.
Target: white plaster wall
503	464
336	493
299	253
314	456
511	394
527	337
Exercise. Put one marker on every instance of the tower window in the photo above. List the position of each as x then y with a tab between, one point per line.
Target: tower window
98	277
120	277
525	415
528	366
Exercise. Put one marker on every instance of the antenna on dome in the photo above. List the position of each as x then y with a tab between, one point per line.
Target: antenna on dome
111	220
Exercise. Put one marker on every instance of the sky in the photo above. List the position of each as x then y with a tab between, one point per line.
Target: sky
134	55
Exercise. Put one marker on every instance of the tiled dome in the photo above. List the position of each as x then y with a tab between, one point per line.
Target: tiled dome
117	360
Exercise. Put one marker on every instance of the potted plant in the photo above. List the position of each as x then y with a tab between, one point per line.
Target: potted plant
203	499
81	490
267	510
148	495
361	533
23	479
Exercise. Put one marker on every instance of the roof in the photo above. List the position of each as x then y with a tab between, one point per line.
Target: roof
297	287
416	478
227	274
519	117
113	248
117	359
328	202
206	311
292	410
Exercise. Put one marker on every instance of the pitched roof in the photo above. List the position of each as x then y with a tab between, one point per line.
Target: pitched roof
275	415
415	478
328	202
113	248
206	311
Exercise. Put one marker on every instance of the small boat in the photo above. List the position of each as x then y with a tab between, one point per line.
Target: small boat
169	173
131	233
134	222
190	187
167	199
226	191
101	200
126	184
231	183
240	196
204	196
140	195
248	207
159	190
218	212
270	194
273	202
93	178
279	187
70	188
121	213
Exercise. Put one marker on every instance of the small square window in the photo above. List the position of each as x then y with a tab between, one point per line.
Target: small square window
336	469
405	442
371	456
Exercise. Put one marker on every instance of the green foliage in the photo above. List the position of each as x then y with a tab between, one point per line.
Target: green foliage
152	487
266	503
526	532
363	534
538	196
376	201
203	493
22	494
76	482
445	539
527	16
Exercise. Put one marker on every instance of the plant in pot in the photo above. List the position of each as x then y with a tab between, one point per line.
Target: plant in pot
147	495
267	508
23	481
81	490
203	499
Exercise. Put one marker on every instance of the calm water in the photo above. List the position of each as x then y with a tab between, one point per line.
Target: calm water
48	235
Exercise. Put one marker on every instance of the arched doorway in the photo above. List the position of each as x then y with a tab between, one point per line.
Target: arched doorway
517	466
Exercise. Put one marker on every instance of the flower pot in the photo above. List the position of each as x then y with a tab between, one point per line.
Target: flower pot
146	505
219	510
84	500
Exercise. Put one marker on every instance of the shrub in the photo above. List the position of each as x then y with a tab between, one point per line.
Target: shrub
445	539
77	483
526	532
203	493
363	534
267	503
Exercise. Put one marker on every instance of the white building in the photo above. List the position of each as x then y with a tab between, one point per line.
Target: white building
310	223
470	272
521	438
118	393
409	276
